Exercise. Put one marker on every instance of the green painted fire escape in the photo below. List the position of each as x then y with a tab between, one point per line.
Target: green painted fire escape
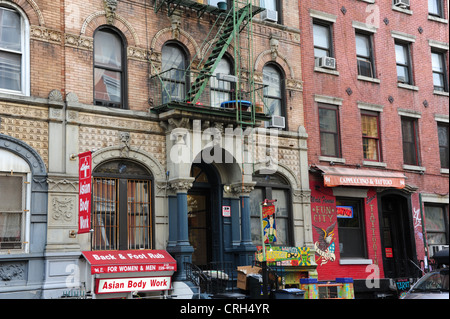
235	29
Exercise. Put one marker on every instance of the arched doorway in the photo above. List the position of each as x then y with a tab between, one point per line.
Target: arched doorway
122	206
204	219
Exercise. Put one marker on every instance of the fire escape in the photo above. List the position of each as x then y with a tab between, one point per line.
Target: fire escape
232	27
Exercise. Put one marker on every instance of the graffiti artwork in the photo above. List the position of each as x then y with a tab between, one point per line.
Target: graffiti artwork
269	226
325	246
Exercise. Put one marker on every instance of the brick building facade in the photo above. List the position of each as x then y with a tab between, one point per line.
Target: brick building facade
84	77
375	92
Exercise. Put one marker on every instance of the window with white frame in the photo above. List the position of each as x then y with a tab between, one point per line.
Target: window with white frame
14	51
15	199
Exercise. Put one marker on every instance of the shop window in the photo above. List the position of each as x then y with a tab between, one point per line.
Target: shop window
351	228
403	60
272	187
174	75
14	51
440	81
12	211
329	130
364	55
109	68
122	207
436	225
371	136
410	138
443	135
221	90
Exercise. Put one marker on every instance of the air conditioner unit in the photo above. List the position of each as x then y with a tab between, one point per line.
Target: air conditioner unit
435	248
326	62
269	15
276	122
402	3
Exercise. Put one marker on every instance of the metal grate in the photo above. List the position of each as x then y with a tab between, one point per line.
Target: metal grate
139	214
105	214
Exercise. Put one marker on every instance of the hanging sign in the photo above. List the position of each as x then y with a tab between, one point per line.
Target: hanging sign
105	286
84	192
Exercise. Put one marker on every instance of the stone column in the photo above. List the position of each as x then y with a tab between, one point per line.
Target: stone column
246	249
182	250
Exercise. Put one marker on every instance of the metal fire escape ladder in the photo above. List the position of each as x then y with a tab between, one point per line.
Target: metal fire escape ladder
226	35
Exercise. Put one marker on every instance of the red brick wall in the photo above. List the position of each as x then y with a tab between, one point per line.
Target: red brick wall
323	215
384	52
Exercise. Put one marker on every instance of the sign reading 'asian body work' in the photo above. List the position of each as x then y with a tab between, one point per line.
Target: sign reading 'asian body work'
84	192
126	261
116	285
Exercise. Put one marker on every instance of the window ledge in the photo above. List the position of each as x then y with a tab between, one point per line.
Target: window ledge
444	171
437	19
419	169
355	261
442	93
323	70
374	164
332	159
368	79
407	11
408	86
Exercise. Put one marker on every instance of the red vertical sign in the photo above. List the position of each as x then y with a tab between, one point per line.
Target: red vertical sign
84	192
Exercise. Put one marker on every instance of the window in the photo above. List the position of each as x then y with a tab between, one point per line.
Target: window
364	55
371	136
221	90
439	71
271	187
351	229
173	73
14	55
410	136
109	69
322	40
329	130
404	72
435	225
273	92
122	207
443	135
12	211
272	5
435	8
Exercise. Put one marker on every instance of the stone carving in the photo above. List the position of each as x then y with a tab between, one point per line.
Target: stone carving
10	272
181	185
63	208
110	9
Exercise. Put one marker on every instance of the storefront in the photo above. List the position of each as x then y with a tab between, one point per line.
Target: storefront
362	224
127	273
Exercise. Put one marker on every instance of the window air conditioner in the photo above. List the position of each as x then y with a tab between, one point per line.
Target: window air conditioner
435	248
402	3
276	122
269	15
326	62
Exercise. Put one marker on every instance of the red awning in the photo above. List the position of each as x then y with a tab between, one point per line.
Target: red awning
342	176
125	261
